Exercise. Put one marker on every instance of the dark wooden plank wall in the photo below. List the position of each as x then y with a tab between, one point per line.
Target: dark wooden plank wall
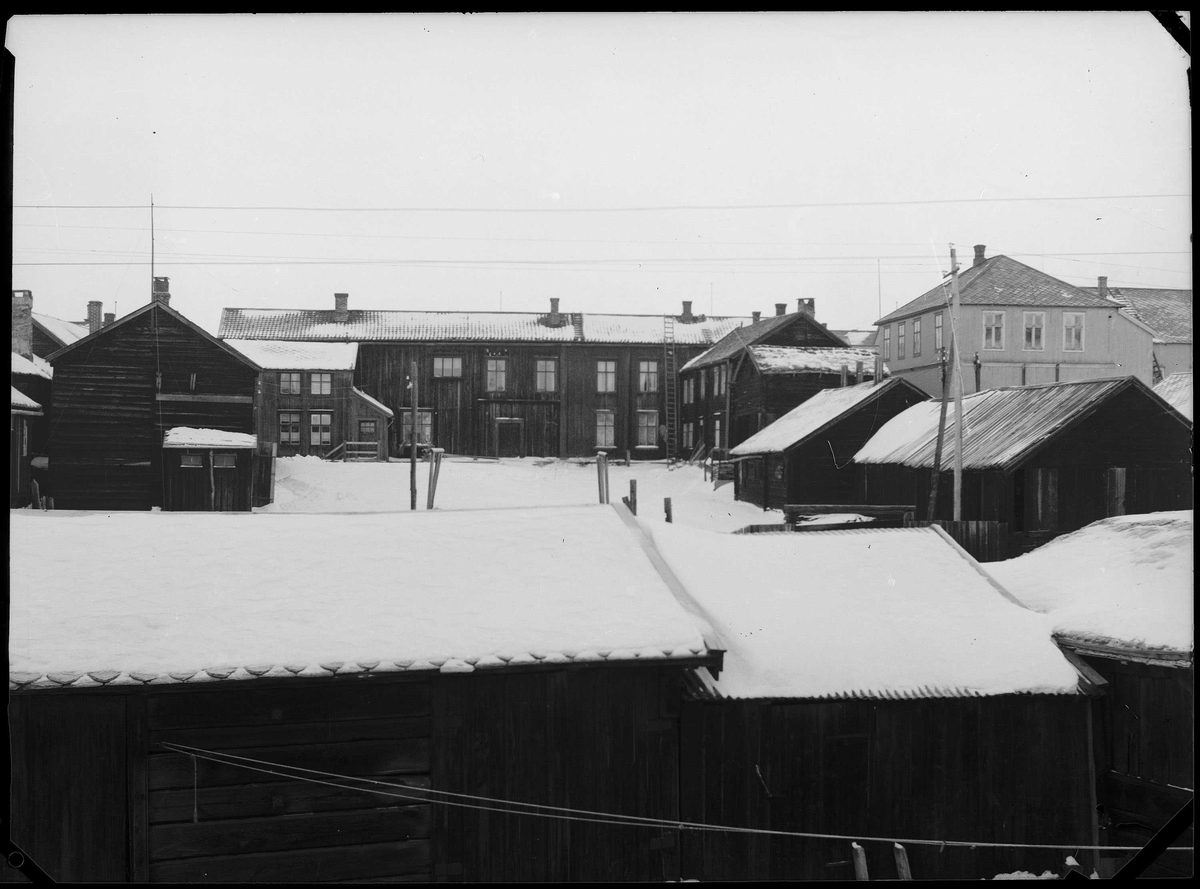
224	490
19	471
1000	769
347	409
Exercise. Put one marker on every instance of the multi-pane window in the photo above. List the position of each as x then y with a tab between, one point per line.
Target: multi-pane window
916	337
887	343
647	433
320	429
1073	331
447	366
1035	323
993	330
689	390
900	330
224	461
716	432
647	376
289	428
191	461
424	425
688	434
321	384
606	432
546	375
368	430
703	377
289	383
497	374
937	332
606	376
720	379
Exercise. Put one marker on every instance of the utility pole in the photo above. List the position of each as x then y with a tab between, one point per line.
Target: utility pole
936	477
151	247
957	376
412	448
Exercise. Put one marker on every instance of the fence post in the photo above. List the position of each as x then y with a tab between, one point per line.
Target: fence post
631	500
902	867
667	508
860	862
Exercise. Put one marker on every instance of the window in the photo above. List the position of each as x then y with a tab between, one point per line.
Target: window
720	379
606	376
368	430
289	383
191	461
547	375
321	384
689	390
424	425
887	343
703	377
289	428
688	434
24	439
1035	322
497	371
647	376
937	332
224	461
993	330
321	429
716	432
606	434
647	434
900	329
1073	331
447	366
916	337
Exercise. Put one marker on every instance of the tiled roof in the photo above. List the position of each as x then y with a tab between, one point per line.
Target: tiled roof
66	332
1000	426
1001	281
400	326
1167	312
32	367
188	437
288	355
22	402
1176	390
803	359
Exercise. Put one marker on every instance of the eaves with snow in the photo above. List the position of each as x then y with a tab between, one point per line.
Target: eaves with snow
160	598
881	613
34	366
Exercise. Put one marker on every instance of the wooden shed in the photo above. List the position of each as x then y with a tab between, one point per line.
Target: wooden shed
24	412
162	731
806	455
118	390
208	470
1041	460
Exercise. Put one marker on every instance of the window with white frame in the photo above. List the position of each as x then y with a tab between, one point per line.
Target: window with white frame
321	384
606	376
289	427
937	332
716	432
191	461
1073	331
546	375
689	390
424	425
647	430
887	343
993	330
224	461
289	383
1035	324
497	374
900	330
606	432
916	338
647	376
320	429
447	366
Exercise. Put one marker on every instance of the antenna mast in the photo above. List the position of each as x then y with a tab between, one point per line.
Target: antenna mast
151	245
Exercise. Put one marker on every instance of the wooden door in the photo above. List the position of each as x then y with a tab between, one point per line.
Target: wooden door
509	438
447	415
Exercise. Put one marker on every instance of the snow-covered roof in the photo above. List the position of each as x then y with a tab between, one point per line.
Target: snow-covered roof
187	437
1124	582
860	338
378	405
883	613
803	359
22	402
1176	390
813	415
32	367
1167	312
649	329
739	337
289	355
66	332
263	595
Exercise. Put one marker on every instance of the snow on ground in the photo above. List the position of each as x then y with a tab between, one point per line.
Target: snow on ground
175	593
1126	580
309	484
870	612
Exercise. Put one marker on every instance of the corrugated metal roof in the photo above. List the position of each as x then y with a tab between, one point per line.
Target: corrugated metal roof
22	402
1167	312
804	359
1176	390
1001	281
289	355
812	416
999	425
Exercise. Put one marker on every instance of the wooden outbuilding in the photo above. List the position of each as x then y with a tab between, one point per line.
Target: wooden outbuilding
208	470
24	412
806	456
118	390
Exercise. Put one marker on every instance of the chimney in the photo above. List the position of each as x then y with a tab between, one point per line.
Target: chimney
780	308
555	319
341	311
756	316
161	292
22	323
979	257
95	314
687	317
807	306
109	318
1102	283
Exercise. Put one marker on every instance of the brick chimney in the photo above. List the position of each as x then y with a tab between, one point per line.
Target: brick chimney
807	306
979	257
95	315
161	292
780	308
687	317
22	323
1102	286
756	316
555	319
109	318
341	310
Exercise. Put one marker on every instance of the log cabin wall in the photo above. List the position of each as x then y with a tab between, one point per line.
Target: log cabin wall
341	403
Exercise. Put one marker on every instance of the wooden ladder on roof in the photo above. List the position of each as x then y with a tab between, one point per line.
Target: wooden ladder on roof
670	383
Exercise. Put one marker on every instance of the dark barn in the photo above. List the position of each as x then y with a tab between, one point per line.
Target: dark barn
118	390
806	455
1040	460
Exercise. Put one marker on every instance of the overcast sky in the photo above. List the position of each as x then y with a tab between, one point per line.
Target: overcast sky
620	162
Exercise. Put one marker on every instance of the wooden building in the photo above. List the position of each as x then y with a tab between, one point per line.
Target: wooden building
760	372
24	412
208	470
118	390
1177	391
1016	326
1167	312
308	403
1040	460
806	456
511	384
